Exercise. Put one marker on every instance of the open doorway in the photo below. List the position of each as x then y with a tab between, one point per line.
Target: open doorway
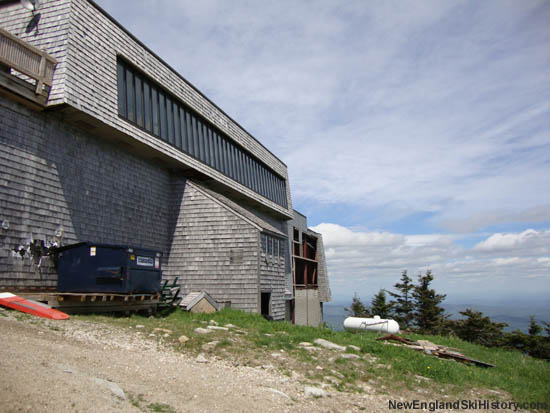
266	304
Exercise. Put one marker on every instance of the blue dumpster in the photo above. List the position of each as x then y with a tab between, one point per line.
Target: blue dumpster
101	268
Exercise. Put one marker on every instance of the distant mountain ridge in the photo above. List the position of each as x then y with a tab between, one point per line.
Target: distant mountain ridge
335	314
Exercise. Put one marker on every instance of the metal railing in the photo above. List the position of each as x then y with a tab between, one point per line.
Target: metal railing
27	60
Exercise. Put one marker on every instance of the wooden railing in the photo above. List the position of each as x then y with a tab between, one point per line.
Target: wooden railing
27	60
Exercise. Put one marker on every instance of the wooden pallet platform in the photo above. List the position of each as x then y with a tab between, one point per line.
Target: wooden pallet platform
74	303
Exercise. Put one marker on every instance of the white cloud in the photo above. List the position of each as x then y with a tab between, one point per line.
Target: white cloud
341	236
534	240
352	262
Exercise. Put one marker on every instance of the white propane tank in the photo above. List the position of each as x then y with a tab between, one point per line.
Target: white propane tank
372	324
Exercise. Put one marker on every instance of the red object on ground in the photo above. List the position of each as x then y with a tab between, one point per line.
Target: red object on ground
32	307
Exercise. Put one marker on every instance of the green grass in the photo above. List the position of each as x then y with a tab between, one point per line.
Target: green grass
139	402
160	407
524	379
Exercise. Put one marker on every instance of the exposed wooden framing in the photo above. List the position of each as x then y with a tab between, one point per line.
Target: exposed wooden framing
304	259
293	271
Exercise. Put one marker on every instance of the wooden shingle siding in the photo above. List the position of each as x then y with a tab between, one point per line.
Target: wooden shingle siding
206	241
53	176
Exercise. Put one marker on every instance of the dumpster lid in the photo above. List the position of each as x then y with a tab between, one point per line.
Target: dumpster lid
101	245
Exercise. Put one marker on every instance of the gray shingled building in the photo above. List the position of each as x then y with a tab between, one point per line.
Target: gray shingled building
102	141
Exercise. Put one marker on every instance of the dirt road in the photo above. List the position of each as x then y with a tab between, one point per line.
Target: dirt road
77	366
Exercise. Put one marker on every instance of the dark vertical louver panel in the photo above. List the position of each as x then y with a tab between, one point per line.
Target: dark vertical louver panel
234	162
210	151
139	102
184	137
280	199
245	169
273	187
216	147
221	163
229	163
177	126
147	106
155	111
121	86
249	170
268	185
169	121
255	176
189	132
264	183
200	137
225	168
162	111
196	148
130	96
241	165
206	145
237	164
230	168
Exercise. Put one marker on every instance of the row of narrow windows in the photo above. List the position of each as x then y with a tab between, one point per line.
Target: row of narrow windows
272	246
145	104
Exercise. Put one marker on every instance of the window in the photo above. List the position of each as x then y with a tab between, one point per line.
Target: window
263	240
269	245
130	96
150	107
121	84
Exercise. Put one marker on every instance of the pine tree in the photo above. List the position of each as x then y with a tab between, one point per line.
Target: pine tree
357	308
403	305
479	329
428	315
534	328
379	306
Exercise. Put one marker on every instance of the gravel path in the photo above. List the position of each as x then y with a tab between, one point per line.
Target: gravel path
77	366
80	366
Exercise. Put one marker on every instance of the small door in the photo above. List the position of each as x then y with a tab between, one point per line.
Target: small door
266	303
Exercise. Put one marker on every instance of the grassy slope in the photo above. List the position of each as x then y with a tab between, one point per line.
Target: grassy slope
522	377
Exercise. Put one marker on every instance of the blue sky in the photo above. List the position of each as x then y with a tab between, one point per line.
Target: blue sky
416	133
